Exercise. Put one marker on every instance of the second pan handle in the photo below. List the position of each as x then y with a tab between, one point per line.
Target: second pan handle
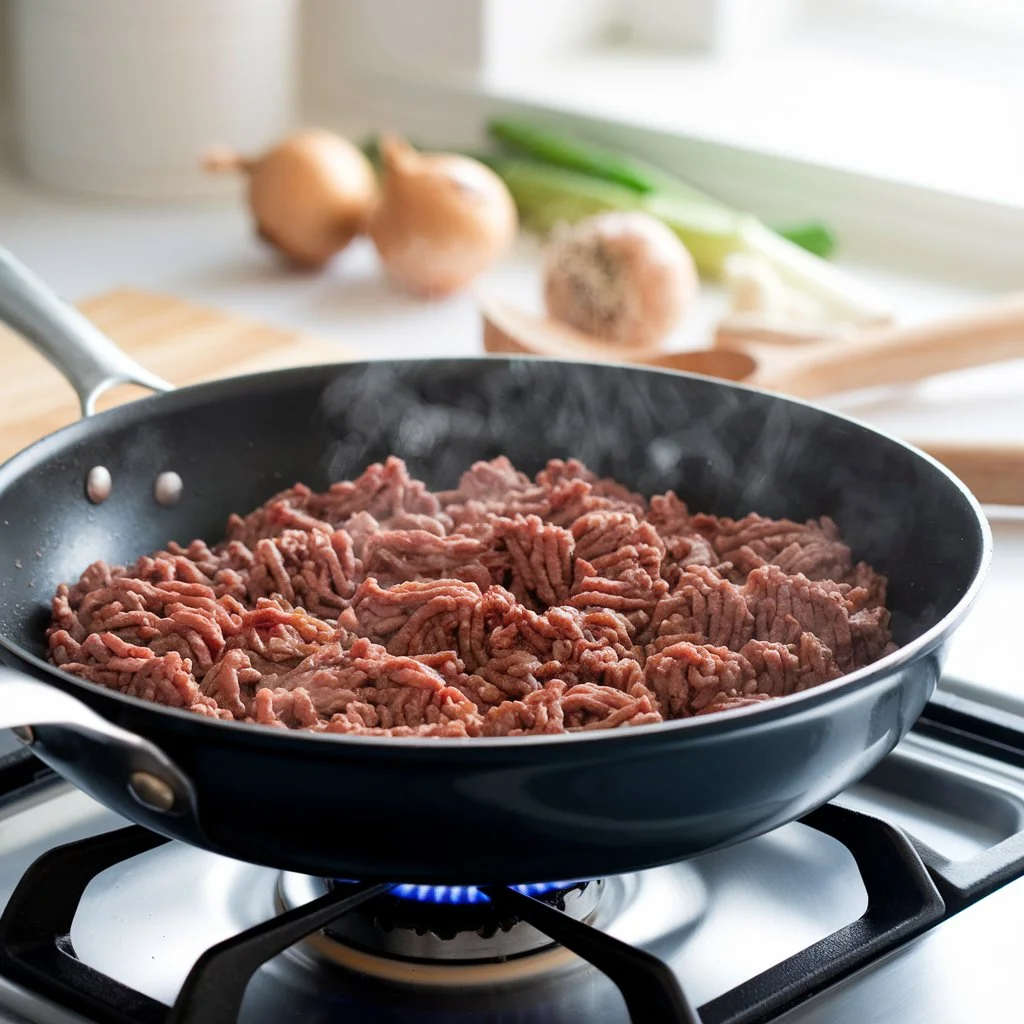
991	333
132	762
86	357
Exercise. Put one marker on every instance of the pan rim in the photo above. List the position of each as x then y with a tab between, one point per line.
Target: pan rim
698	727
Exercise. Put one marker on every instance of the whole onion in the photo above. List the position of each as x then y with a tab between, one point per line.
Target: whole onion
442	218
310	195
622	277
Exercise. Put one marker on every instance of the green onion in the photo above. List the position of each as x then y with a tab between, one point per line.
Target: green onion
546	195
563	164
563	151
811	235
572	153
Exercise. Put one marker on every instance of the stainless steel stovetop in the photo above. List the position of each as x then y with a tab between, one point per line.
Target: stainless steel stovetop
790	927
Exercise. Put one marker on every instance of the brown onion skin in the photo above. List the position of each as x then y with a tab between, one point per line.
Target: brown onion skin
310	195
441	221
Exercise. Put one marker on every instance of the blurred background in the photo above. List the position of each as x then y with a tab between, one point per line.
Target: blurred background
232	185
880	136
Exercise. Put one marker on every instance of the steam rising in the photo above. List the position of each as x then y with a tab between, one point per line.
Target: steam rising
723	449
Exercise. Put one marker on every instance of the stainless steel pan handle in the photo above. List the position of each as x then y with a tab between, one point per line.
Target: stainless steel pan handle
92	363
89	360
151	777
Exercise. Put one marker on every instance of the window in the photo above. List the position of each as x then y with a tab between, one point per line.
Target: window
984	15
870	112
980	38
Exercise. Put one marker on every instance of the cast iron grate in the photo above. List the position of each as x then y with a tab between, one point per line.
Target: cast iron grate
993	733
36	950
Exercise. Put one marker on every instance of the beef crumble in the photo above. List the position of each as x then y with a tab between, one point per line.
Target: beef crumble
506	607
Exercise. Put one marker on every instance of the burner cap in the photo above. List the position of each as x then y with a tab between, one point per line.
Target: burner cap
451	924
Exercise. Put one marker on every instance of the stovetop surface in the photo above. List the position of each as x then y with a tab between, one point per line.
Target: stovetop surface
963	971
717	920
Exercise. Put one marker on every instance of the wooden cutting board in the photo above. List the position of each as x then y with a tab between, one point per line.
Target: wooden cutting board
182	342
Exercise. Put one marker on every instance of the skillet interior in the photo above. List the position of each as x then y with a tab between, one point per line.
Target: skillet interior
725	449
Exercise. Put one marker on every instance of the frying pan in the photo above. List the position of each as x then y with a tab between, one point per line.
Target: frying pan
445	810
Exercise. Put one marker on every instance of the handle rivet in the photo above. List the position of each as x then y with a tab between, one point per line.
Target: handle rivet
150	791
24	733
98	484
167	489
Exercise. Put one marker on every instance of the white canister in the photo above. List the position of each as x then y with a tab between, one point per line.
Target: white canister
123	97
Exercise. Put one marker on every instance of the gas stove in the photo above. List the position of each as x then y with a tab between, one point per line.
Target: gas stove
898	901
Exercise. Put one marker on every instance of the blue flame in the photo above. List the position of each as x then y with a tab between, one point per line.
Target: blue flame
465	895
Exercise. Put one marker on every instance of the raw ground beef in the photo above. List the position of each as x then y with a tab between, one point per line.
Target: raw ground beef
507	606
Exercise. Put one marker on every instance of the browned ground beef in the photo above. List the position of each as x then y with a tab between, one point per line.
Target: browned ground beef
507	606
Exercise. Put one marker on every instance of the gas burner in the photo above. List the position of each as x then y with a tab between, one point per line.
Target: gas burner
453	928
457	923
465	894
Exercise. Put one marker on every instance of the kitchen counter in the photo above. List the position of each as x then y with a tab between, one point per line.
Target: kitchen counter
206	252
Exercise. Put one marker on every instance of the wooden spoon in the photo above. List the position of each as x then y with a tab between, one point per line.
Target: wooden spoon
890	355
994	473
507	329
